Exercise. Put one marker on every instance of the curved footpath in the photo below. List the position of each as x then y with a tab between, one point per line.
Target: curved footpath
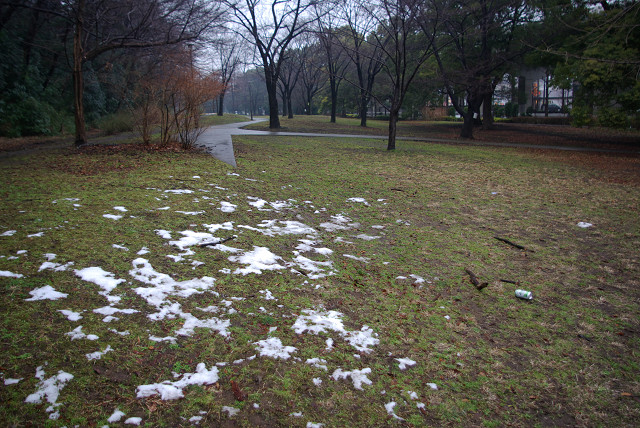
218	142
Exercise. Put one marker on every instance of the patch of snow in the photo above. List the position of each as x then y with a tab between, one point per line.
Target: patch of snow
71	316
77	333
584	225
231	411
116	416
267	295
46	293
7	274
360	259
389	407
432	386
100	277
163	233
405	362
36	235
191	212
98	354
121	209
8	233
11	381
49	389
112	216
320	363
317	381
256	261
227	207
179	191
359	200
272	347
133	421
168	390
366	237
357	376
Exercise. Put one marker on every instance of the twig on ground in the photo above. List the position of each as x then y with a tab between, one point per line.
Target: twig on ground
506	241
474	280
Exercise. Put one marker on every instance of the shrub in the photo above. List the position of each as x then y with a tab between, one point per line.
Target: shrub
580	116
22	115
612	118
116	123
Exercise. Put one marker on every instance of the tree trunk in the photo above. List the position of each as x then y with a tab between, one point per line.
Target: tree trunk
272	93
78	83
487	112
363	110
393	127
289	106
467	126
221	104
334	98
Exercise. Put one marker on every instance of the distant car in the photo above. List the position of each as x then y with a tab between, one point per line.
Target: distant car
552	108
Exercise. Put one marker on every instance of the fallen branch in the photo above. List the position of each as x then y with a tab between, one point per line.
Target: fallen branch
222	241
508	281
474	280
506	241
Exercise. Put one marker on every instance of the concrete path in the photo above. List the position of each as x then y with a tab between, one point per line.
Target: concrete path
217	141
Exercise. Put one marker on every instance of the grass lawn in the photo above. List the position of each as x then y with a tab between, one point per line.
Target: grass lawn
339	296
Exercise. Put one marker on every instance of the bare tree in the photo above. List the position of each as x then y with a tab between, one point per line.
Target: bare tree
271	27
312	73
363	49
404	48
289	79
228	57
336	58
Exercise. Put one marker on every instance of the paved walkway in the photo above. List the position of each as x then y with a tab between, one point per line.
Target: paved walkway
217	141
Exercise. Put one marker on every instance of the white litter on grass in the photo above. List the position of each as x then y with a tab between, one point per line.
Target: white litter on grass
133	421
273	347
121	209
227	207
10	381
389	407
45	293
77	333
71	316
405	362
49	389
116	416
168	390
7	274
112	216
256	261
432	386
8	233
231	411
357	376
98	354
584	225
